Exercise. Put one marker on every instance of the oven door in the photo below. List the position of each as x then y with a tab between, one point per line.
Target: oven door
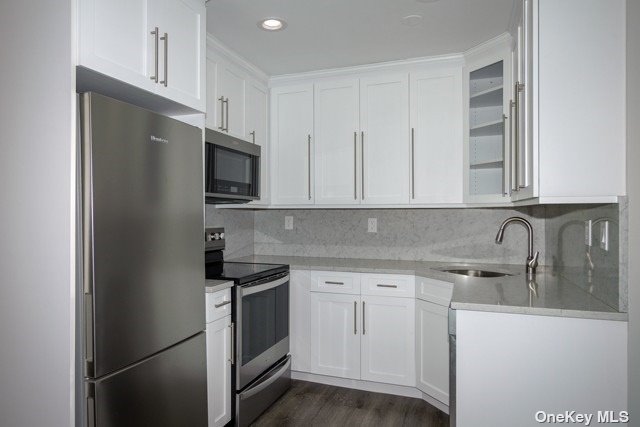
262	327
232	169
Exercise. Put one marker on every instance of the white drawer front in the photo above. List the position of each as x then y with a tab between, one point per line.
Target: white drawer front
435	291
391	285
335	282
218	305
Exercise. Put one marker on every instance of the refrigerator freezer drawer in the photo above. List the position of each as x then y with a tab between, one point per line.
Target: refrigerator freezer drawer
167	390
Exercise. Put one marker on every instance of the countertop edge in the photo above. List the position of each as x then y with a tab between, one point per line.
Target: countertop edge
211	286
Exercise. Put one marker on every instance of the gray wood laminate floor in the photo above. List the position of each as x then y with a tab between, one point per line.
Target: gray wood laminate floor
312	404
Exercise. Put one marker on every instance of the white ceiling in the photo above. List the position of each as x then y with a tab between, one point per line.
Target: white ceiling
338	33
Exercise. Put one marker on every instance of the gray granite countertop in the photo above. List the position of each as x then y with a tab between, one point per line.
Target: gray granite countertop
217	285
550	294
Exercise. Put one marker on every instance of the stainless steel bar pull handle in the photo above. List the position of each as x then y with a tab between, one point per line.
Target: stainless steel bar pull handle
504	156
364	331
222	304
380	285
413	173
362	154
309	165
221	126
253	136
519	88
165	38
514	159
355	166
155	33
226	123
355	317
232	359
333	283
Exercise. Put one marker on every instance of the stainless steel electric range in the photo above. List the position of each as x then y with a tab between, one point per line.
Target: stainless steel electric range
262	364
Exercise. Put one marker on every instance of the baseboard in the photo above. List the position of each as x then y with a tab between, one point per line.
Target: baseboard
397	390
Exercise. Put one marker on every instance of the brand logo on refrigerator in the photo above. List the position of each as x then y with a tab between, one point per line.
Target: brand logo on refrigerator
158	139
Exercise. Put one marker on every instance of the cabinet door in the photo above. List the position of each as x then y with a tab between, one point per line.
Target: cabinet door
384	121
232	86
336	121
432	350
115	39
436	136
388	340
213	118
256	131
300	315
335	335
182	54
292	136
219	371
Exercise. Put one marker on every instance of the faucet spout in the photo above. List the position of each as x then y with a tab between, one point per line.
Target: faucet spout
532	258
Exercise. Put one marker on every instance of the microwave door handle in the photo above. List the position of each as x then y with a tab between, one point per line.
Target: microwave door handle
245	291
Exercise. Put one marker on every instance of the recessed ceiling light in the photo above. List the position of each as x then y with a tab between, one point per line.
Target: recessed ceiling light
412	20
272	24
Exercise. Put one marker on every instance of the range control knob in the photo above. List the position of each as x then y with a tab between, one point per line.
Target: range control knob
222	235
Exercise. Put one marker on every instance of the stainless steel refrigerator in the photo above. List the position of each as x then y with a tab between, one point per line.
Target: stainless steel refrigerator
141	306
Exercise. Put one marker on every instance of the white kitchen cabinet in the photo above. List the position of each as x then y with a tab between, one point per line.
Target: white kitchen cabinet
509	366
384	139
213	116
335	335
436	136
388	340
432	350
337	125
487	149
119	39
256	131
231	96
218	335
292	140
300	320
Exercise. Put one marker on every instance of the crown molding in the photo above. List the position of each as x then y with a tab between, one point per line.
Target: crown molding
503	40
397	65
216	46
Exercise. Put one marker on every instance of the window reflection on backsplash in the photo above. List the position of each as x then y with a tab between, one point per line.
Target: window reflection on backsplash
600	272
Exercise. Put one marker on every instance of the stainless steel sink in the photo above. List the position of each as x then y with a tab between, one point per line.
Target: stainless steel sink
474	273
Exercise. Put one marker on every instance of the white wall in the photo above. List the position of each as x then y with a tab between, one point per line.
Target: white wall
36	130
633	191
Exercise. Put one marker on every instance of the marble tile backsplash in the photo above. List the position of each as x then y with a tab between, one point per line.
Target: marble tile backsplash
600	272
450	235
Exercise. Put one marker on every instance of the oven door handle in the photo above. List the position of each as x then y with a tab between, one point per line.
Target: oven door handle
263	287
267	381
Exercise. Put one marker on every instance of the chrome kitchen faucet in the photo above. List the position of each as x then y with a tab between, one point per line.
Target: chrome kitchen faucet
532	259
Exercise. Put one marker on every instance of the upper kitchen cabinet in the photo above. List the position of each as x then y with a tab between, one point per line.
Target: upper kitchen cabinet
384	139
487	100
157	46
337	128
231	86
578	116
256	101
436	136
292	145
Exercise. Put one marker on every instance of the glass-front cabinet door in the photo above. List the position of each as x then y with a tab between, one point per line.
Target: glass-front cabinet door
487	127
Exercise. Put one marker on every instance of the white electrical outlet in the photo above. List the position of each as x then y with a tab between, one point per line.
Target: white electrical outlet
604	235
372	225
588	232
288	223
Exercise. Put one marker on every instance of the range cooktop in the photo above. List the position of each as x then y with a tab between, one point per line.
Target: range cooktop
243	272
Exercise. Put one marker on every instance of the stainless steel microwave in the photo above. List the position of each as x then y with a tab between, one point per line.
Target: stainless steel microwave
232	172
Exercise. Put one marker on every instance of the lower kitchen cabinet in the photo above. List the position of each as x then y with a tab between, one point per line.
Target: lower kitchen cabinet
219	371
511	366
388	340
432	350
335	335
